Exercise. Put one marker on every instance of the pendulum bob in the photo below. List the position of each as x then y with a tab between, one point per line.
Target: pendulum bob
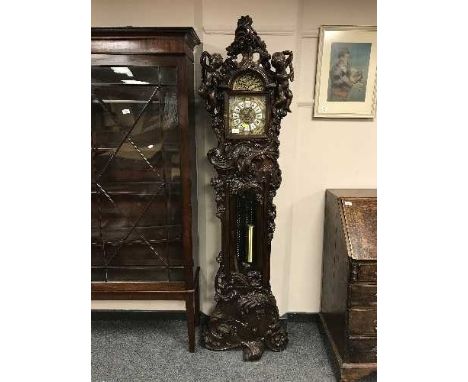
250	231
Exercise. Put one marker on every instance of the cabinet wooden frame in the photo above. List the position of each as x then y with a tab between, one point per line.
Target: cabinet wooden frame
160	47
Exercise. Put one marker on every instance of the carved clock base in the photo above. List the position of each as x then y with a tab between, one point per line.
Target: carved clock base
245	316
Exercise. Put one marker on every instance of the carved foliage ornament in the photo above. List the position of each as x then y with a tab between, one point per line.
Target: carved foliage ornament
247	94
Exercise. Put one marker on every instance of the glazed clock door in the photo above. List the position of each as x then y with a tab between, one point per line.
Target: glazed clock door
136	185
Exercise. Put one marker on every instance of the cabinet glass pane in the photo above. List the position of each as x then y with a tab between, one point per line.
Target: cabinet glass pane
136	190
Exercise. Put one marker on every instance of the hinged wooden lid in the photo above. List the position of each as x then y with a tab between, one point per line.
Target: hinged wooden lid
359	217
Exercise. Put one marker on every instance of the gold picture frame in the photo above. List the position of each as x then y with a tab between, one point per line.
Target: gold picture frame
346	77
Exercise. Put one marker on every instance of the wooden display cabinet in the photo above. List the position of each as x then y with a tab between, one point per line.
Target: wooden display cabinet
143	166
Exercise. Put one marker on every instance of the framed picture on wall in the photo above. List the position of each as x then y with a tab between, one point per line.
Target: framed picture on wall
345	82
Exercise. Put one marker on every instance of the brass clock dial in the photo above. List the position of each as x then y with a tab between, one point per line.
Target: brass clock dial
247	114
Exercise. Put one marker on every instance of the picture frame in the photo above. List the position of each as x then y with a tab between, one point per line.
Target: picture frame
346	76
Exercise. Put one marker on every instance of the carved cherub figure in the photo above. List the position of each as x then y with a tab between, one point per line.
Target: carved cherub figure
211	76
281	61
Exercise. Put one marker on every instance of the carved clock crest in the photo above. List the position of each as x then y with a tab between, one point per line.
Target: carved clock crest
247	95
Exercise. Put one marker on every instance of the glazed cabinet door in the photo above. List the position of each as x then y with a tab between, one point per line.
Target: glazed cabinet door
136	191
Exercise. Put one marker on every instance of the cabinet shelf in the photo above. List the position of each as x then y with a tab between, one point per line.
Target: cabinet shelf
138	242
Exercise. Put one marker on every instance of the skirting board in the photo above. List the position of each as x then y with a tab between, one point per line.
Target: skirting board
137	315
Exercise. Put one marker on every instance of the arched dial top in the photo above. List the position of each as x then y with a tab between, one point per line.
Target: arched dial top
248	81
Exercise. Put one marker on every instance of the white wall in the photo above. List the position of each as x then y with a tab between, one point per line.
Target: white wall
314	154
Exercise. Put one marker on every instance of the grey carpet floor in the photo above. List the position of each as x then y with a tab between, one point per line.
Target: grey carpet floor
156	350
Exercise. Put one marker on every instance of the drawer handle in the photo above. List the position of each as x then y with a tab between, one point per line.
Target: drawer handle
354	272
375	325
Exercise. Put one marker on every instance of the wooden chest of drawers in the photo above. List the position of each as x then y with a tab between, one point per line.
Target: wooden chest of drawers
349	281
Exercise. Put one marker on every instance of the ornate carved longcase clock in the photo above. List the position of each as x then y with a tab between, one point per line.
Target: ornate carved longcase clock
247	95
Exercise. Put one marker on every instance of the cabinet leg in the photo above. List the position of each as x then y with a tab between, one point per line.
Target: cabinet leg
197	297
190	311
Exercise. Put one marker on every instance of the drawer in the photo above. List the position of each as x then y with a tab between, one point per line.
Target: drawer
362	322
364	271
362	295
363	345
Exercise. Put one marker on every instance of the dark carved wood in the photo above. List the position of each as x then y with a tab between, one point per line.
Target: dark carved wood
349	281
246	314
